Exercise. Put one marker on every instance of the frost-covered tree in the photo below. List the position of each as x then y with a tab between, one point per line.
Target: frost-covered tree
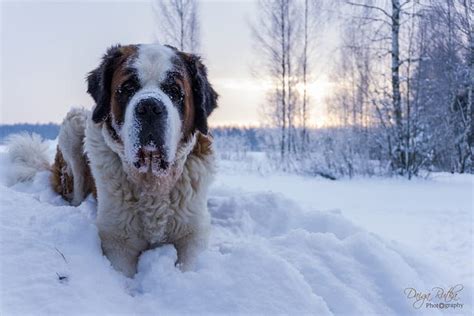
275	38
385	19
311	15
405	84
284	37
445	77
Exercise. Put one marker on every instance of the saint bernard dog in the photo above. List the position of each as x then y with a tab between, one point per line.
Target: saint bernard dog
144	152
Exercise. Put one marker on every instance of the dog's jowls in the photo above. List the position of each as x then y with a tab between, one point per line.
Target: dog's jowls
144	152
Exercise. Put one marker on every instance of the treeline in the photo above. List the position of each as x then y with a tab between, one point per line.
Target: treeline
240	138
334	151
47	131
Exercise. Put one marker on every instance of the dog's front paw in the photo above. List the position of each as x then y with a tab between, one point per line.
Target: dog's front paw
123	263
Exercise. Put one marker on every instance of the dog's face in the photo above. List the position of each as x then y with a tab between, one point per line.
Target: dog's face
151	98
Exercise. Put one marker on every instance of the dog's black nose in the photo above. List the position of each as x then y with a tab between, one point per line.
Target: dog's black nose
151	115
150	109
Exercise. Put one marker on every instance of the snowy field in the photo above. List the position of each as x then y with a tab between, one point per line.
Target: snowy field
280	244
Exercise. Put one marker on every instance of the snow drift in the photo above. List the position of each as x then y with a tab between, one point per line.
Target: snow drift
267	255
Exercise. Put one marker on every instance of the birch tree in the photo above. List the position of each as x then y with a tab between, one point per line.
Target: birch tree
276	45
311	14
285	37
386	22
178	23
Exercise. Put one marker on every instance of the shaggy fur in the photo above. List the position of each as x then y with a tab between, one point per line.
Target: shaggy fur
134	216
143	152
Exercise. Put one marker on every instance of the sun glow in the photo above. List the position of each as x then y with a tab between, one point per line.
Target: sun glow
240	91
318	89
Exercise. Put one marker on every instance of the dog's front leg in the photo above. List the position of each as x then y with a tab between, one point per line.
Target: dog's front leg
122	251
189	247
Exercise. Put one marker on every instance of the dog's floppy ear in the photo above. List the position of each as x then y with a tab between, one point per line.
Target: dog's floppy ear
99	83
205	97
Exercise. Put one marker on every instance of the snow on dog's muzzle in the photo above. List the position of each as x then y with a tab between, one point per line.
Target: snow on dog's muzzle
151	115
151	132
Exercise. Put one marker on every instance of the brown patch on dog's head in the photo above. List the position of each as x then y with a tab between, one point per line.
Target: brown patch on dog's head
108	83
204	97
186	109
124	84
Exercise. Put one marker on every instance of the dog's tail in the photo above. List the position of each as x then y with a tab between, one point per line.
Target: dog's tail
28	154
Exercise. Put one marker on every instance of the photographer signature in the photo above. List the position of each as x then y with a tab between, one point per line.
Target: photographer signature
419	298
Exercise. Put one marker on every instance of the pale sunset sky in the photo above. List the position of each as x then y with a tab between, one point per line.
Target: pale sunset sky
47	48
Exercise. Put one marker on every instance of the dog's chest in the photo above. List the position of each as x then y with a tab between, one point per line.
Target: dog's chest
159	219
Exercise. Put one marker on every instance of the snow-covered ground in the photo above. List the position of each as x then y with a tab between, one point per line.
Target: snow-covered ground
280	244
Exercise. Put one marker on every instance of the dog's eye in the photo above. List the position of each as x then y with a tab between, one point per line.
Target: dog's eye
127	88
174	91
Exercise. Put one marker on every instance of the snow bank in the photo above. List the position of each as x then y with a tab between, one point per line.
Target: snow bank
266	255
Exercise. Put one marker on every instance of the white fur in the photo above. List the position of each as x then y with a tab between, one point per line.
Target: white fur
28	155
130	131
70	142
135	213
131	127
152	63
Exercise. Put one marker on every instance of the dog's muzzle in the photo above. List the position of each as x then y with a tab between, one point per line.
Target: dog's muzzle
151	115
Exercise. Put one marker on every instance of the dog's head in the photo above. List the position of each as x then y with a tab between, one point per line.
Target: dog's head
152	99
